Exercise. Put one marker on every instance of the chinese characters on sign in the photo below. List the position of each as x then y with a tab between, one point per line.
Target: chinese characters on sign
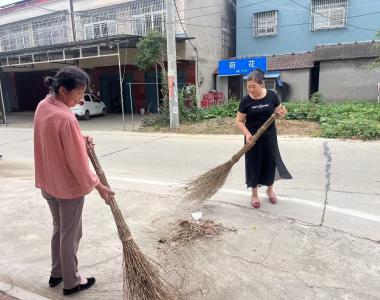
241	66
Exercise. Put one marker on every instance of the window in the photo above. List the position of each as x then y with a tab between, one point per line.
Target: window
131	17
51	30
100	29
159	20
95	99
153	22
327	14
41	31
17	37
226	37
50	36
87	98
265	23
270	84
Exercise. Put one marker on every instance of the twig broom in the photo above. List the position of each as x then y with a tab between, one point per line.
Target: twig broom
141	280
207	184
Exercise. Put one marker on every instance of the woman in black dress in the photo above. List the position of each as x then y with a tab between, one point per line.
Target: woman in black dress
263	163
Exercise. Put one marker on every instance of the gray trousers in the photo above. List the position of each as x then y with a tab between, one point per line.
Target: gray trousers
67	232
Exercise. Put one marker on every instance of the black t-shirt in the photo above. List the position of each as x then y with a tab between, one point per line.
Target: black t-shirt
258	110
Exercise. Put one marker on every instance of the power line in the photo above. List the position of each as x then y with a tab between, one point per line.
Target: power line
228	10
300	9
183	28
279	26
238	7
201	7
182	10
241	27
187	38
235	27
250	27
327	17
83	14
189	18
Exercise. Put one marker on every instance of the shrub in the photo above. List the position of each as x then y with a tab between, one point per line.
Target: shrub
351	128
188	111
349	119
224	110
317	98
346	120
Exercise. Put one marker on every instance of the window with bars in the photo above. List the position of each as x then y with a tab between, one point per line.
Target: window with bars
46	30
51	30
100	29
265	23
328	14
15	38
226	36
146	23
134	17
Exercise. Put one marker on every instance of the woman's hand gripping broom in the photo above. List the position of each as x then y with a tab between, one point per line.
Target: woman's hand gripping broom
141	279
206	185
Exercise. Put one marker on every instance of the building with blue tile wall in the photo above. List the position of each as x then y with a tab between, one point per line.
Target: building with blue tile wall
316	45
294	26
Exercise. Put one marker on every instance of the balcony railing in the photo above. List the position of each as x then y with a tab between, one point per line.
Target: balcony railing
132	18
46	30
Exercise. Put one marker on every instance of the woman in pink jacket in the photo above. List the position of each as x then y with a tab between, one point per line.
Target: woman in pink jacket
63	174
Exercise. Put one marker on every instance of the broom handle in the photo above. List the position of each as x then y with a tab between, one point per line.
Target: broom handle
255	137
123	229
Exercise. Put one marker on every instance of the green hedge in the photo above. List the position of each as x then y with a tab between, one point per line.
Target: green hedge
228	109
345	120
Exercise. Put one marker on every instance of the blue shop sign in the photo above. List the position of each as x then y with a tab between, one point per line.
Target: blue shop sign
242	66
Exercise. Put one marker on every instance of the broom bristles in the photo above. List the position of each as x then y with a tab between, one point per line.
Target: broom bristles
206	185
141	279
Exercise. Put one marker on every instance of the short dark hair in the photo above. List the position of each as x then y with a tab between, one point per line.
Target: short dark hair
70	77
257	76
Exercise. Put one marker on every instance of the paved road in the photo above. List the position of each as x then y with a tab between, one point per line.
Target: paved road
289	255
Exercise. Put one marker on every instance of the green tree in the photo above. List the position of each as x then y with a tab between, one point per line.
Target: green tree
151	50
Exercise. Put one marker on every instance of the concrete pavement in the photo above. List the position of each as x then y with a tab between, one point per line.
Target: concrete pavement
278	252
111	122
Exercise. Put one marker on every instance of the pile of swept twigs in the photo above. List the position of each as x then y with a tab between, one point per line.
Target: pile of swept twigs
186	231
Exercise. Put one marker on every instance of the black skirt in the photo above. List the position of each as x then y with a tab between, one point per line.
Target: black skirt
263	163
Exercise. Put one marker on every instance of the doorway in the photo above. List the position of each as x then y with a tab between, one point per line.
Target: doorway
314	78
110	92
234	87
151	92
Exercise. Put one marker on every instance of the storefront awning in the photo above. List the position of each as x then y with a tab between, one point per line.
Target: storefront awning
270	75
274	75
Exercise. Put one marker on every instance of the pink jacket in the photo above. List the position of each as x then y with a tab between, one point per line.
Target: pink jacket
60	157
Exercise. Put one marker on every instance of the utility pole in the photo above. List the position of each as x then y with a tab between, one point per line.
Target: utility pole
3	106
172	63
72	21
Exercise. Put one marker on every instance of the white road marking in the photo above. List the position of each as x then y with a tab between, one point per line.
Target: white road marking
344	211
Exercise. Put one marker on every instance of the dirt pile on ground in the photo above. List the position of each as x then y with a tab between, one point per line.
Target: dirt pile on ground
186	231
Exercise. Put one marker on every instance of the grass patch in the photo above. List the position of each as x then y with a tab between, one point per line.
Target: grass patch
355	120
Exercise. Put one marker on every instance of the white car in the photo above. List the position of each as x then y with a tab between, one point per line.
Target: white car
90	105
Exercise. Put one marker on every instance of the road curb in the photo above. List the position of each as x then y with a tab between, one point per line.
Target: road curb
19	293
